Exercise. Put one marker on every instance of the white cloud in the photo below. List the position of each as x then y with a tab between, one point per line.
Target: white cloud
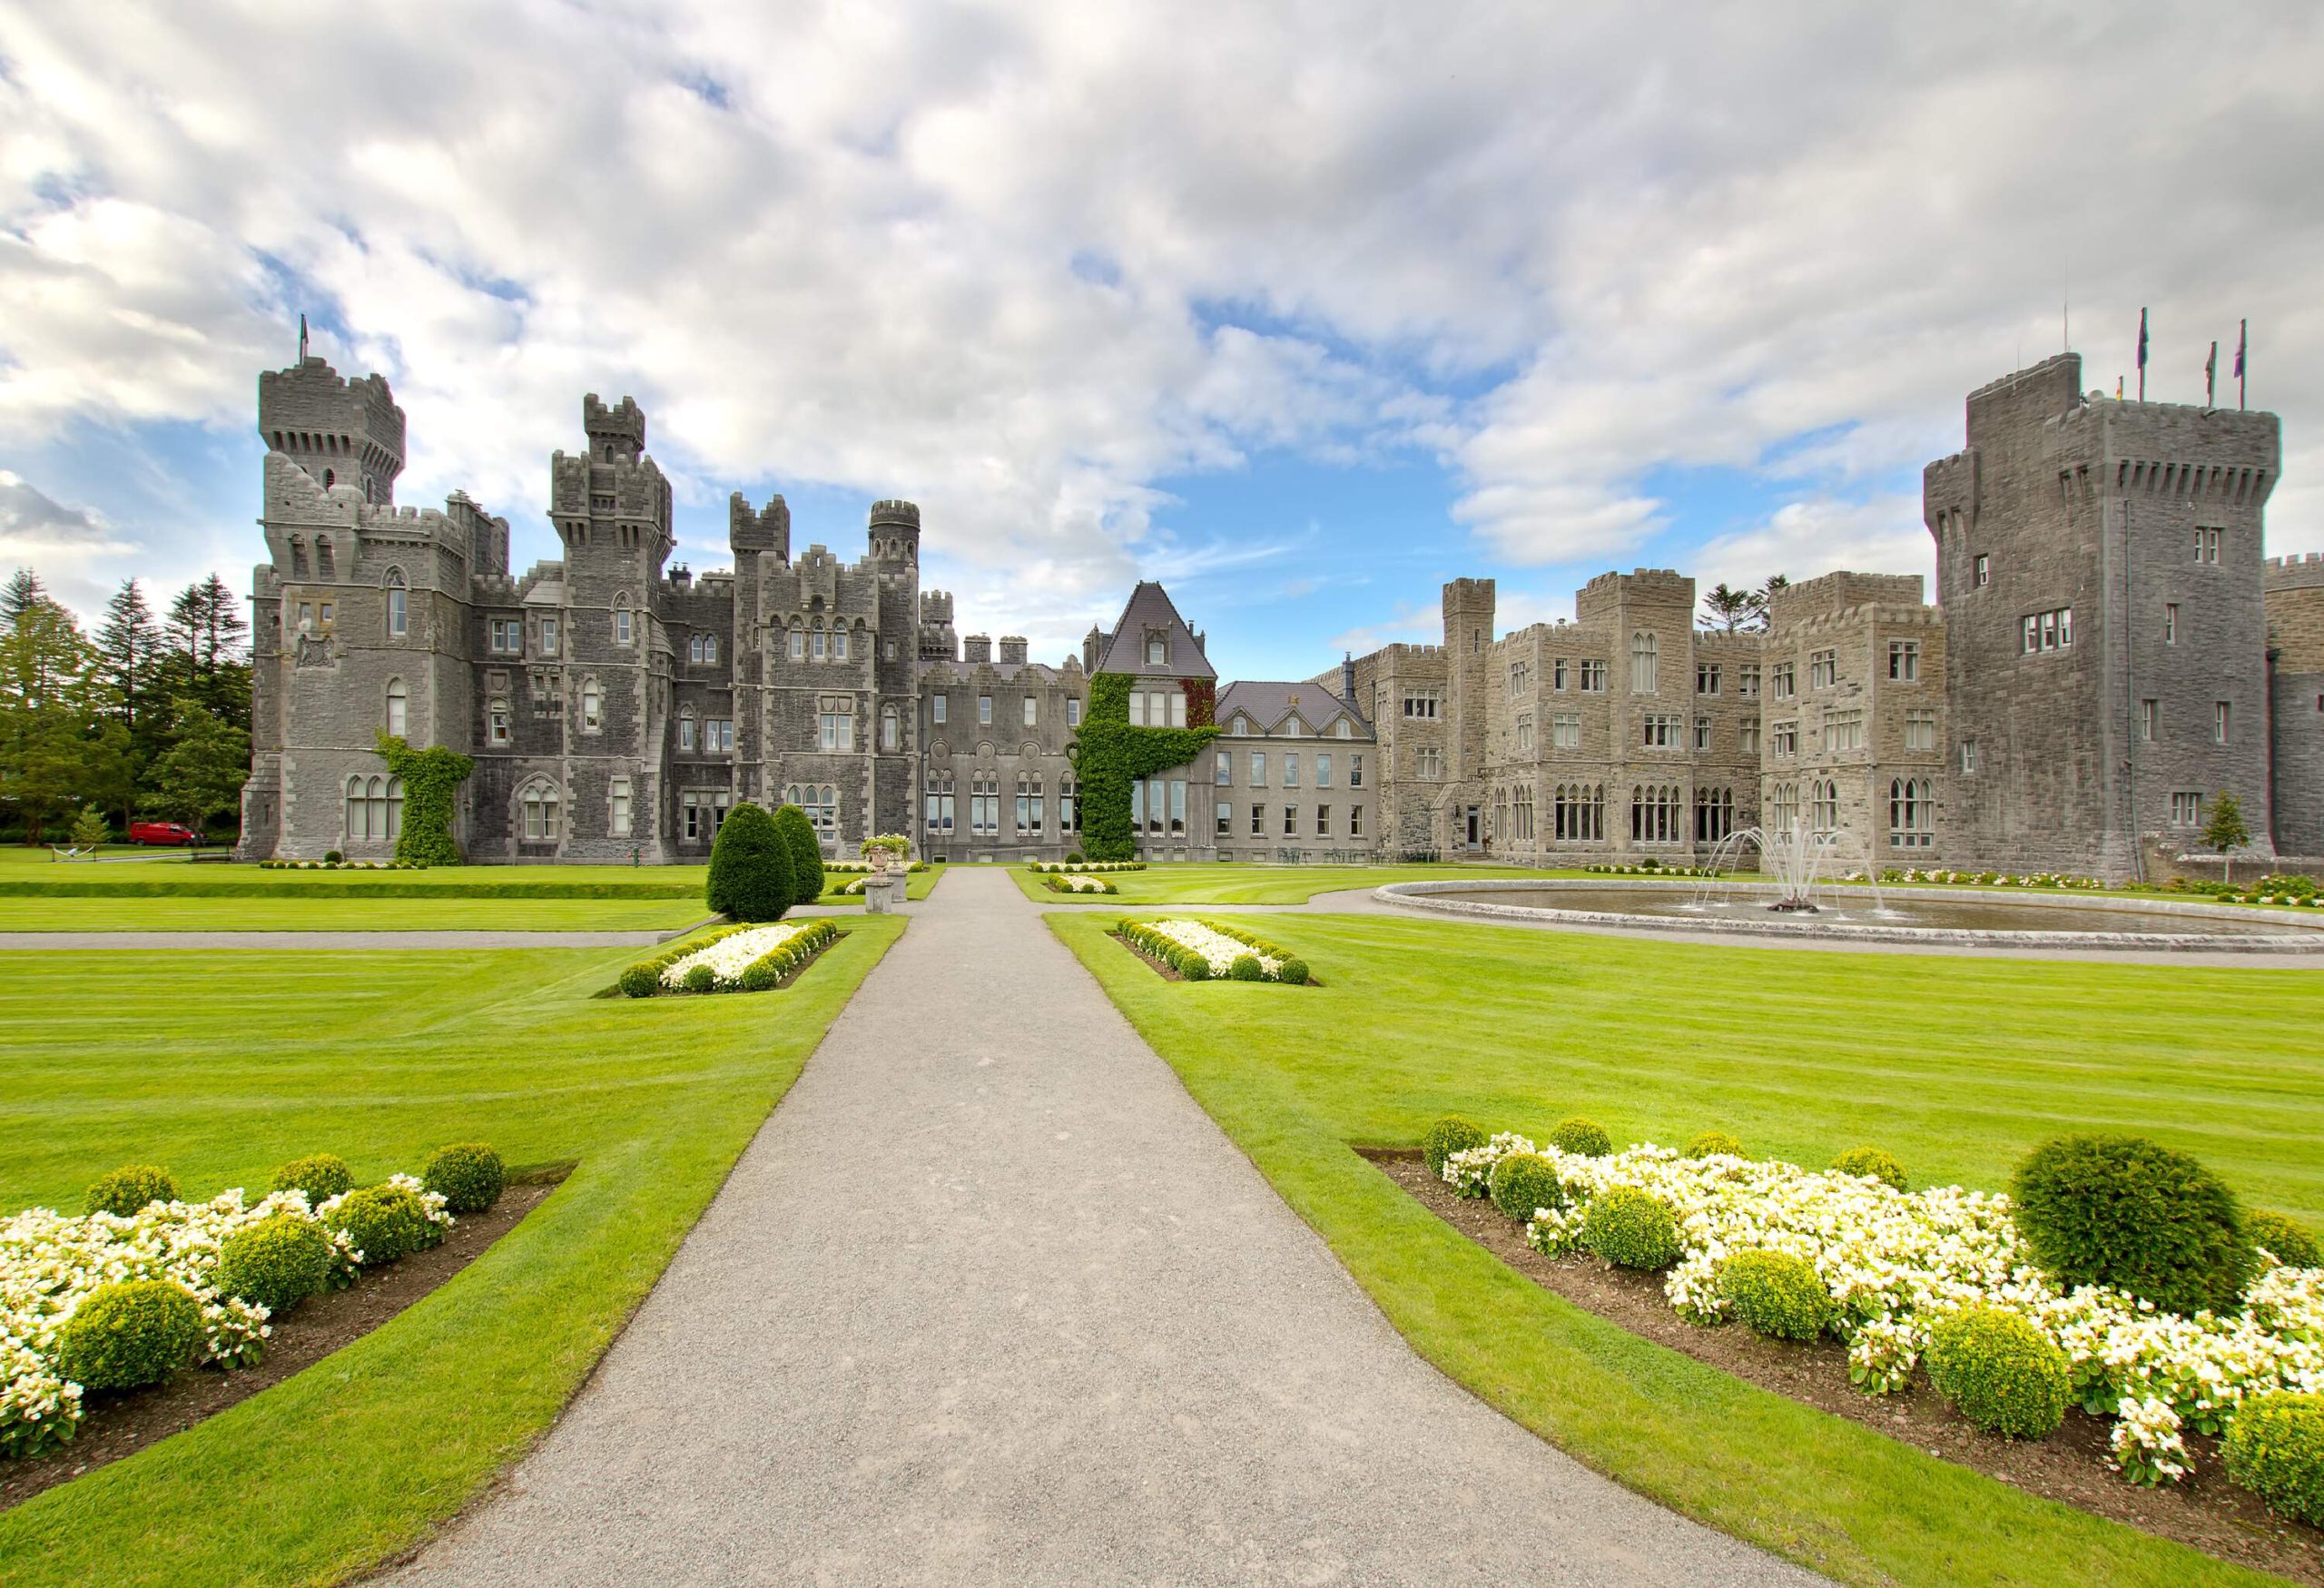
63	543
1801	539
1021	264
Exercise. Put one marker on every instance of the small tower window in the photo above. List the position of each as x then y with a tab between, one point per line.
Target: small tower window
399	617
399	708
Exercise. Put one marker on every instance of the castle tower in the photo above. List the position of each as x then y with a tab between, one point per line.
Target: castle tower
937	642
763	533
894	535
2099	563
1468	637
341	432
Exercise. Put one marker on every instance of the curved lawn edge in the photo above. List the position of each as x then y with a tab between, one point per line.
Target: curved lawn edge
1828	1493
360	1459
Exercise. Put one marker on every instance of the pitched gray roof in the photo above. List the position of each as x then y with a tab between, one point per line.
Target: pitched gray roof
1268	703
1150	608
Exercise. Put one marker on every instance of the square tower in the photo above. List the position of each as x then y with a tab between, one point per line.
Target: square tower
2099	563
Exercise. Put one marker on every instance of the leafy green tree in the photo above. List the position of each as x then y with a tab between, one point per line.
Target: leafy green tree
750	867
1728	608
2226	830
431	780
201	774
59	746
806	852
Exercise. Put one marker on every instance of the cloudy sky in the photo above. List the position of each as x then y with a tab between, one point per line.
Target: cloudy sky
1302	307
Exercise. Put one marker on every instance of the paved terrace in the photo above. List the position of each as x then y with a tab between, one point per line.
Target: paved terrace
990	1300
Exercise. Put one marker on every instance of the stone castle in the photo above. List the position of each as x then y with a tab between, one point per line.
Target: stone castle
2110	650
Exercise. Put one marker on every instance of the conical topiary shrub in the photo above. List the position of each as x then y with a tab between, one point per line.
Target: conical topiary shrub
806	852
750	867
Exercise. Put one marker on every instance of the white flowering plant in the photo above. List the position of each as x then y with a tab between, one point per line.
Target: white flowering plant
1206	951
1895	1263
1064	867
50	1264
1077	884
1986	879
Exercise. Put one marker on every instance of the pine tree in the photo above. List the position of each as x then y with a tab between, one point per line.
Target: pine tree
129	645
23	589
2226	830
1763	601
201	774
59	747
204	651
1730	608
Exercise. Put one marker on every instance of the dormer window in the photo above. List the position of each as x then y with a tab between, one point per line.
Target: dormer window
1157	650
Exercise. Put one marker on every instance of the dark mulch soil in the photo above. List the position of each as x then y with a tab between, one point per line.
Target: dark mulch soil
118	1424
2205	1511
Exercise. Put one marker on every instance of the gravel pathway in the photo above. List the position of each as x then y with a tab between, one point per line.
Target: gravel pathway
990	1300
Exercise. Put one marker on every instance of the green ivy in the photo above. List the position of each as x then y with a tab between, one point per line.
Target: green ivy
1108	754
430	777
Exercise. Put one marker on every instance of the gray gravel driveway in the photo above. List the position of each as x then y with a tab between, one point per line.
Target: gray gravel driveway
990	1300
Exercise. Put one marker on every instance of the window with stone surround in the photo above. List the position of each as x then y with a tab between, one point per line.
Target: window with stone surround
398	615
1843	730
1823	669
1524	735
1823	805
1920	730
1702	733
1661	730
1707	677
1782	680
1985	569
1746	680
617	807
2187	809
1593	677
1714	814
1784	742
1356	763
1656	814
1355	821
496	723
399	708
1029	799
1911	813
2223	721
936	704
1578	813
1642	664
2207	545
539	804
1905	661
1557	674
1429	762
1565	731
1748	735
937	789
2171	622
2047	631
1968	758
2150	719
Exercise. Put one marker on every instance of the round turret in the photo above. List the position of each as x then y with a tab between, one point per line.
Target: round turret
894	532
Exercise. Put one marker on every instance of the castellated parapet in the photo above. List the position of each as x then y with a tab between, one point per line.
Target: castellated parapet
340	431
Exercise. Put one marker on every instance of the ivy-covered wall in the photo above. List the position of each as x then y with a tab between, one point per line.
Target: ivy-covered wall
430	779
1108	754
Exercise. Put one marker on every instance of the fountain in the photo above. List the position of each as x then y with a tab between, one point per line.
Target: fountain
1795	857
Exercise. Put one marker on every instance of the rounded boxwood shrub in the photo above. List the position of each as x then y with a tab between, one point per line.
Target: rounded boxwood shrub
1295	971
1192	966
1777	1294
127	1189
1582	1137
805	850
758	976
2287	1240
469	1176
1246	968
2125	1211
1631	1228
1448	1135
1871	1163
385	1222
1713	1144
1524	1181
332	857
750	867
123	1336
322	1176
2000	1372
2275	1448
640	982
277	1262
701	979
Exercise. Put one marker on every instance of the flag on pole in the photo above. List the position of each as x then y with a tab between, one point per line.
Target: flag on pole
2210	378
2118	389
302	339
2242	336
2141	355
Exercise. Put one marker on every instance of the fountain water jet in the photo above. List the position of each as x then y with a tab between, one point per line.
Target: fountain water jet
1795	857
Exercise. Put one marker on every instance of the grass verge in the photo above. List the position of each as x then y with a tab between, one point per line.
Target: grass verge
221	1066
1207	883
291	912
1956	1065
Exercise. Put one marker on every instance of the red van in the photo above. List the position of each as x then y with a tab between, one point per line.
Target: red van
161	832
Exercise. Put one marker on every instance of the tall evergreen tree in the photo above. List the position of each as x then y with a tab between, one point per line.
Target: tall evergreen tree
1726	607
205	654
60	747
129	645
23	589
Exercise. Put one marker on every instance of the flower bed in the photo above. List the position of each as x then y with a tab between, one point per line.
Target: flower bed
1065	867
1077	884
732	959
50	1264
1895	1264
864	867
1648	869
342	865
1985	879
1204	951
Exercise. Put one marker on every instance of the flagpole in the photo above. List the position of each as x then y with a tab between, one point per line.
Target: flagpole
2242	340
2141	355
2211	379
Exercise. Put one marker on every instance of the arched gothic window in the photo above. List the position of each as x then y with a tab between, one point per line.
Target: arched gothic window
1642	660
592	706
890	730
685	732
398	708
399	618
539	805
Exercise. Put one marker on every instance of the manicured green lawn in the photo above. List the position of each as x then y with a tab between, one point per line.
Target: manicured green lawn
285	912
1207	883
1956	1065
222	1065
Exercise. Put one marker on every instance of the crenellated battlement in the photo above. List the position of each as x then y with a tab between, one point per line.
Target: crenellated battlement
2295	572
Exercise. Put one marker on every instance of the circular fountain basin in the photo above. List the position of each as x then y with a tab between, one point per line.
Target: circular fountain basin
1969	916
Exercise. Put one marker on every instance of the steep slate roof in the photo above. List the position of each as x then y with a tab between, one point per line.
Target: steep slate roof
1268	703
1150	608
